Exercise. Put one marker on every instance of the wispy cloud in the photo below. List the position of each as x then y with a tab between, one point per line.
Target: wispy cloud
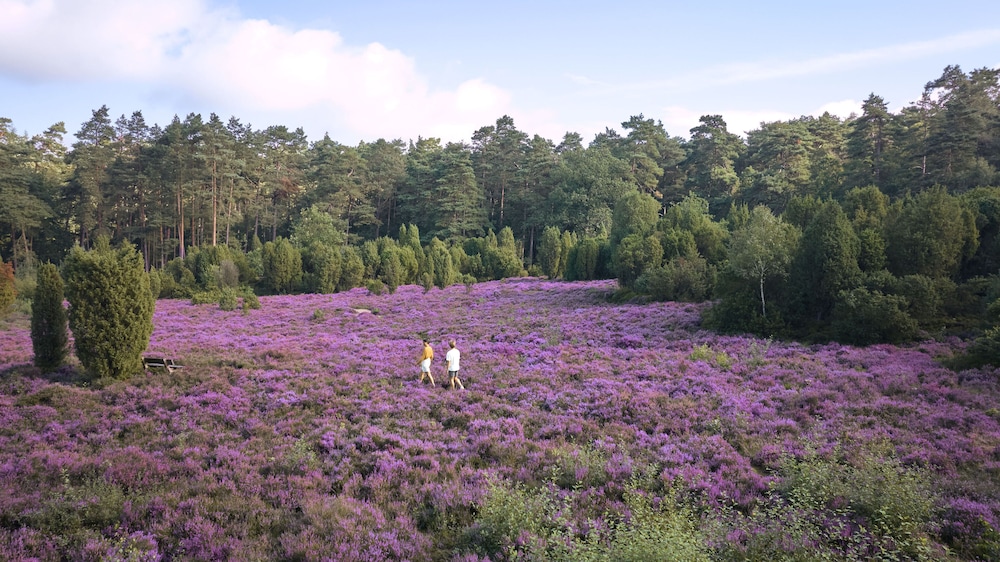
758	71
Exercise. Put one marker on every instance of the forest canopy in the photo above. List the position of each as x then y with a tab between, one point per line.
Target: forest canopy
893	204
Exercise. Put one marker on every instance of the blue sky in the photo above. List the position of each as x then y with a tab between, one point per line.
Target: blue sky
393	69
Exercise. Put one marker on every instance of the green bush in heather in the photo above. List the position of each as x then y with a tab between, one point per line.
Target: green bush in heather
111	308
282	266
8	293
49	337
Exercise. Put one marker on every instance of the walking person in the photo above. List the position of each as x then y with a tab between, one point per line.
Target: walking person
425	362
452	357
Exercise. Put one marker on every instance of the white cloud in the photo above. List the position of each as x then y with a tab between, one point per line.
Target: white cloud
678	120
842	108
187	52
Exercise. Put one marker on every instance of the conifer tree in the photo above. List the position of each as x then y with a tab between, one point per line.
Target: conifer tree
111	308
49	337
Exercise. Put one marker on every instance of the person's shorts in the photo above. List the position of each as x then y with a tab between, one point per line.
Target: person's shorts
452	374
425	366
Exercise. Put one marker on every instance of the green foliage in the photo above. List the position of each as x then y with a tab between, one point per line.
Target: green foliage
825	264
891	500
634	255
155	283
49	337
871	250
518	523
111	308
375	287
930	234
322	268
352	269
691	215
443	269
250	300
985	350
8	293
738	309
583	260
681	279
550	256
864	317
228	299
315	226
923	297
704	353
762	250
636	213
282	266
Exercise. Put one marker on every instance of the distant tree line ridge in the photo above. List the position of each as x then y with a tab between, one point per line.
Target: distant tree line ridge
879	227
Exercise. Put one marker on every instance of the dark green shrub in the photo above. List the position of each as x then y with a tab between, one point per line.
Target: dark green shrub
864	317
322	266
250	300
228	299
375	287
8	293
282	265
227	274
634	255
111	308
427	282
681	279
155	283
352	269
49	337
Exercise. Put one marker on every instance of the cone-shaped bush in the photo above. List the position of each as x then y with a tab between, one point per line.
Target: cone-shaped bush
48	320
111	309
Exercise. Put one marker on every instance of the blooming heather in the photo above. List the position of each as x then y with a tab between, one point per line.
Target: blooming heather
300	430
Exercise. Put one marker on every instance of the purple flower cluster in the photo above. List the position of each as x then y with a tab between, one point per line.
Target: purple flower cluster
300	430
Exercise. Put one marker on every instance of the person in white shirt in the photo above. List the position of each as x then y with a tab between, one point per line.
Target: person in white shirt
452	358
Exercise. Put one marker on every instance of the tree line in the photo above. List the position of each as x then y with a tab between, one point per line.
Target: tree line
805	226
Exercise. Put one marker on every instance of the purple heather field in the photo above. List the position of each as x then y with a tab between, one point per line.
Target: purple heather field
300	431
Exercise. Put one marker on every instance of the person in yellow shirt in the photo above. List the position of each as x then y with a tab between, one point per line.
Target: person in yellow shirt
425	362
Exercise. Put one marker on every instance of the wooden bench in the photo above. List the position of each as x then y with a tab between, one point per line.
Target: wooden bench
150	363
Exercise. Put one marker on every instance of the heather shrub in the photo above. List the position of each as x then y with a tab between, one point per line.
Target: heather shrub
8	292
873	491
650	532
511	524
49	338
111	308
